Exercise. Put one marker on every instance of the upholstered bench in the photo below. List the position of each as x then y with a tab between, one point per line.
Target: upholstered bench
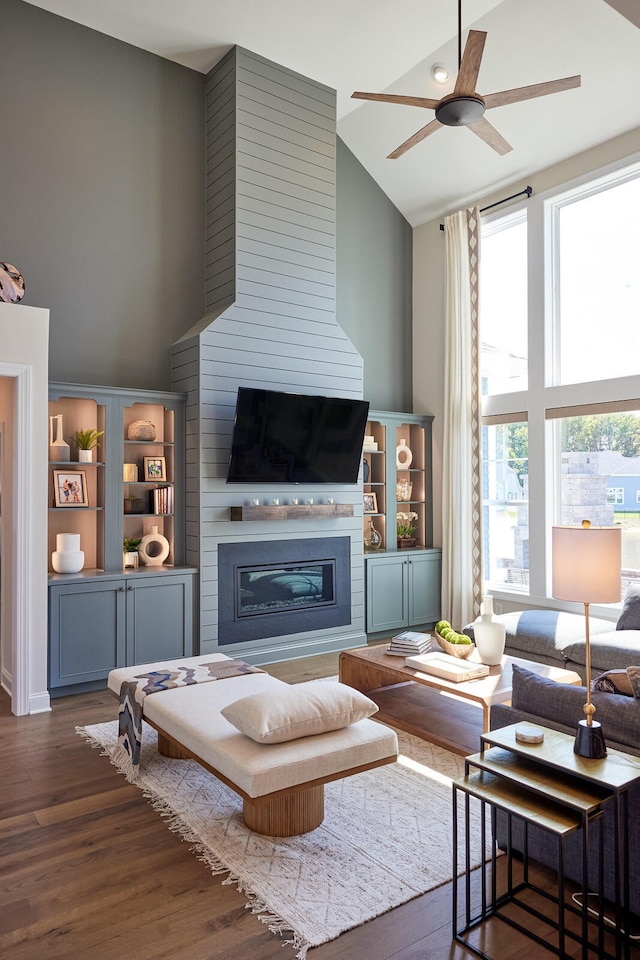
281	783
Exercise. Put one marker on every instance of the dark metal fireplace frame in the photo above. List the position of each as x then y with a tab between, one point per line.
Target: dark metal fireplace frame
233	557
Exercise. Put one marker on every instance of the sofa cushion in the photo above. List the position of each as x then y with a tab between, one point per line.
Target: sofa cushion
303	710
609	651
629	619
563	703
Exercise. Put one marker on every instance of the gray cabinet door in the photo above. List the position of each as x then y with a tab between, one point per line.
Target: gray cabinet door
86	630
159	618
424	588
387	594
403	590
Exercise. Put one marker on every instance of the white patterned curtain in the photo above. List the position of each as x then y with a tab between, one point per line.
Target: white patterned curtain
461	480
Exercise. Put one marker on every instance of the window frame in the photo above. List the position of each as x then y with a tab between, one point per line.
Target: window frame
546	401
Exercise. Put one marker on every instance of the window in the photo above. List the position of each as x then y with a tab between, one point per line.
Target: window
503	328
561	391
506	504
598	251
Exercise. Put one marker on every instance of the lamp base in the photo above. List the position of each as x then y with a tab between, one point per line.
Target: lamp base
590	741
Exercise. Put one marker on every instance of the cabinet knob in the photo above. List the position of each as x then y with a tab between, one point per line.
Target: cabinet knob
120	589
129	588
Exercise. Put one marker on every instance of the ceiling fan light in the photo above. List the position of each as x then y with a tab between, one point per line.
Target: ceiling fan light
439	72
457	111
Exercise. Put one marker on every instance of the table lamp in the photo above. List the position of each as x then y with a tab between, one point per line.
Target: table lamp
586	569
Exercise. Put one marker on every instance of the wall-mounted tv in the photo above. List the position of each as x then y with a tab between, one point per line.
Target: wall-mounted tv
295	438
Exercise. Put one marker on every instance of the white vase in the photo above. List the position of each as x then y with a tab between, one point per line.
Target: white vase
404	456
153	549
67	557
489	635
85	456
59	449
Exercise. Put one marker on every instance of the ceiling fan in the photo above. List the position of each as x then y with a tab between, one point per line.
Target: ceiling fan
465	107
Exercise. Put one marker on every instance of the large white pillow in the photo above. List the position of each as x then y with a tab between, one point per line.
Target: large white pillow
301	710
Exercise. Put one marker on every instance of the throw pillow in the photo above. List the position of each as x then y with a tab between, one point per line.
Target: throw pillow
302	710
561	703
629	619
613	681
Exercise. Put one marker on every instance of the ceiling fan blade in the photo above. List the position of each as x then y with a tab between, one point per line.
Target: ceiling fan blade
529	93
396	98
416	138
470	64
487	132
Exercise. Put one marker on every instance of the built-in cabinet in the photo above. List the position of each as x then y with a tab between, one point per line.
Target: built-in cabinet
105	615
403	573
403	591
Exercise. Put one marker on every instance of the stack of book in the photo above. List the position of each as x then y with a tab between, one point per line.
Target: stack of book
161	500
409	644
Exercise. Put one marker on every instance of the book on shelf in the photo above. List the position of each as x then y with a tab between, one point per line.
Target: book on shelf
446	667
161	500
407	643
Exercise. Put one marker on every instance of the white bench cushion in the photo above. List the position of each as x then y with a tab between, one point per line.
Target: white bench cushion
192	716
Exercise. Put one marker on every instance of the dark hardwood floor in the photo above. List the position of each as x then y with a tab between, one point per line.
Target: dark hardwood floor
89	870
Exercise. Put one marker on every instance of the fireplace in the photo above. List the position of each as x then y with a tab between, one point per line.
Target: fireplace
278	587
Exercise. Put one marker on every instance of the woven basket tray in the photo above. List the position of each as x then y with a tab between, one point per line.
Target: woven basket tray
462	650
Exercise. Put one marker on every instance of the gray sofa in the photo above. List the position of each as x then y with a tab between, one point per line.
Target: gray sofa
557	639
541	701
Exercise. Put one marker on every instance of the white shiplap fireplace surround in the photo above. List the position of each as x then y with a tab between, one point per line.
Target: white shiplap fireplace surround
270	322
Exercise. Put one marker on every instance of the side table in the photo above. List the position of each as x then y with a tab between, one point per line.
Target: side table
548	785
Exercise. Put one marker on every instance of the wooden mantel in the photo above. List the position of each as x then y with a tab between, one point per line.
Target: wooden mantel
292	511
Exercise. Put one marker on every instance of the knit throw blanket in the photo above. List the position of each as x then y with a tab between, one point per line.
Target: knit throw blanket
134	691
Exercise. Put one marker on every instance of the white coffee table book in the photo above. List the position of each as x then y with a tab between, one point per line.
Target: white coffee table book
449	668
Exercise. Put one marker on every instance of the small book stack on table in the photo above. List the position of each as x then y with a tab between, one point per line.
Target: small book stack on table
409	644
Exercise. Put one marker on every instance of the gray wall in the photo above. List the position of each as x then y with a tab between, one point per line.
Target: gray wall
374	281
102	208
101	187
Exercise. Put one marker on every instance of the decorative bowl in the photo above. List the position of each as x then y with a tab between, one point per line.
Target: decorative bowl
462	650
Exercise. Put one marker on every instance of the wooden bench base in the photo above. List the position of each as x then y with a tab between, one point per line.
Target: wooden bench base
285	813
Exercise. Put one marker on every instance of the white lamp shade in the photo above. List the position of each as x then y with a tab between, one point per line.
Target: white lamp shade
586	564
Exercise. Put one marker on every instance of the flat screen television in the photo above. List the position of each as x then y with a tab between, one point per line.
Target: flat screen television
295	438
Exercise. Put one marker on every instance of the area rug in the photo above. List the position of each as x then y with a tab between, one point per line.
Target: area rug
385	839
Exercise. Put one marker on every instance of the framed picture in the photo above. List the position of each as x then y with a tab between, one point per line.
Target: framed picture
70	488
370	502
155	468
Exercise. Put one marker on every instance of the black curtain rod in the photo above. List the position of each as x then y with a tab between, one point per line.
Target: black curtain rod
527	191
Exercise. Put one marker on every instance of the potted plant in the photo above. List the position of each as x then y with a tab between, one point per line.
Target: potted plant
85	441
130	551
405	528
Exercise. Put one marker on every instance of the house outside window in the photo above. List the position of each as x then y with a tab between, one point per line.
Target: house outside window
560	298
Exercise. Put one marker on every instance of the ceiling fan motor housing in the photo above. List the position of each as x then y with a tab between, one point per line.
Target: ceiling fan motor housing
460	111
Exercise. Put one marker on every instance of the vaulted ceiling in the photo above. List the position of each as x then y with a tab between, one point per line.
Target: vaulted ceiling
389	46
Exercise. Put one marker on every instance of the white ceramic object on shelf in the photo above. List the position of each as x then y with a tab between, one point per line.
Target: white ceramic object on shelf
59	449
489	635
67	557
153	549
85	456
404	456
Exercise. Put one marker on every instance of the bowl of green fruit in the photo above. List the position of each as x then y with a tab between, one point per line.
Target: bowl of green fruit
457	644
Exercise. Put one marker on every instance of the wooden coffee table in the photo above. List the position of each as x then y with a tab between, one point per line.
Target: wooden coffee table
430	707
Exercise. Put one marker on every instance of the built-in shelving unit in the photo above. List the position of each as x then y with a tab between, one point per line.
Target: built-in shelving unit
105	616
399	488
402	575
